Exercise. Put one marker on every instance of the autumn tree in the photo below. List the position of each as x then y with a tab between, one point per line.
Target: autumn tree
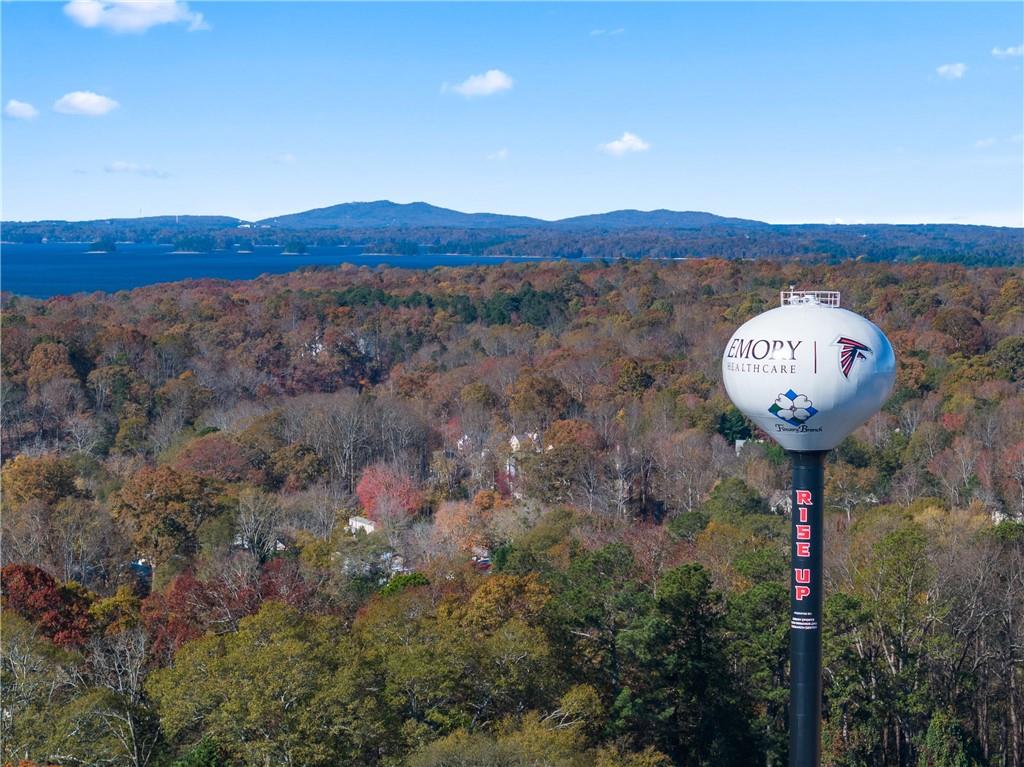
387	493
61	611
459	525
568	467
163	508
46	478
962	327
49	362
536	400
174	615
213	456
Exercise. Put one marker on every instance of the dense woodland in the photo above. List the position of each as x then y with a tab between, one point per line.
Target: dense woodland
571	564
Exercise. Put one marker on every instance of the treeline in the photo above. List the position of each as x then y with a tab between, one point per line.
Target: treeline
498	515
968	245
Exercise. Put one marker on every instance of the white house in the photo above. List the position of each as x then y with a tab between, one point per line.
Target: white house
780	502
516	443
356	524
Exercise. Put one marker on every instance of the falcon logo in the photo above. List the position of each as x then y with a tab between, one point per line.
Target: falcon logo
849	352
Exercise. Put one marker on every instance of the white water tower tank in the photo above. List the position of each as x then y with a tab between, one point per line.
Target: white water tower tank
808	373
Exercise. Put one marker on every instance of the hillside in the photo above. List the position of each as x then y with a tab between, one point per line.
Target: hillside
654	219
384	214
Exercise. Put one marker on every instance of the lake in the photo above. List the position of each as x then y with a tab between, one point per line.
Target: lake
51	269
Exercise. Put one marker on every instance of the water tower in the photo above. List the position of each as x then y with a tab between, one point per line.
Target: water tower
808	373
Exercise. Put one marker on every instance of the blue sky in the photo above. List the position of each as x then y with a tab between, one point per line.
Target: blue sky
780	112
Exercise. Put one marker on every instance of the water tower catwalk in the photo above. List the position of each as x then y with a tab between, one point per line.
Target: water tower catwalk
808	373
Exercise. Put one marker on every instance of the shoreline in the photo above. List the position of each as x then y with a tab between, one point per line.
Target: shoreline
37	277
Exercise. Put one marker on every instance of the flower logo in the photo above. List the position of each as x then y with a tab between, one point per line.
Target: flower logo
792	408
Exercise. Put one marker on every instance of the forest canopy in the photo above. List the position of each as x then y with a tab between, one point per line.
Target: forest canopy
498	515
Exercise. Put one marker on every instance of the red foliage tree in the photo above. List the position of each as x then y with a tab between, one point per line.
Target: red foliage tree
188	606
175	615
214	457
60	610
385	491
282	580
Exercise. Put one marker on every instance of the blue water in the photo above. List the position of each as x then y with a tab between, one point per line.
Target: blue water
51	269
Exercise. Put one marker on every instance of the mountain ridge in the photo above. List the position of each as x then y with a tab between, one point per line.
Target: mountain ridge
388	214
385	214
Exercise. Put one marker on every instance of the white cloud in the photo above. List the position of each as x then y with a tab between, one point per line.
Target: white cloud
133	15
501	154
1007	53
630	142
1006	217
490	82
951	71
984	143
139	170
20	110
84	103
606	32
286	158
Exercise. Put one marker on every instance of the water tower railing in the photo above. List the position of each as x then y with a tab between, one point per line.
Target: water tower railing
822	297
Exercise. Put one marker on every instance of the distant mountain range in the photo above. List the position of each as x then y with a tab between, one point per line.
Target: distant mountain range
141	222
418	227
384	214
387	214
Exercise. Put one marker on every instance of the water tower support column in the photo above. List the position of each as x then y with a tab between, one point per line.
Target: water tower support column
805	597
807	373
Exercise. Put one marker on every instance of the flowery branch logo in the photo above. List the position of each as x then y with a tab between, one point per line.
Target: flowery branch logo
849	352
792	408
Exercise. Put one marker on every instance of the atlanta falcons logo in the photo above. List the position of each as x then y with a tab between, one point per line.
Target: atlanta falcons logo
849	352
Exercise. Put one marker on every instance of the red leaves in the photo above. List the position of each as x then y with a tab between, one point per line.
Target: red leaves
189	607
174	616
61	611
386	492
214	457
282	581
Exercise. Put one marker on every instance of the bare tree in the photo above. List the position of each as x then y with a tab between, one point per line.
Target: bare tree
108	720
82	432
257	522
688	464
